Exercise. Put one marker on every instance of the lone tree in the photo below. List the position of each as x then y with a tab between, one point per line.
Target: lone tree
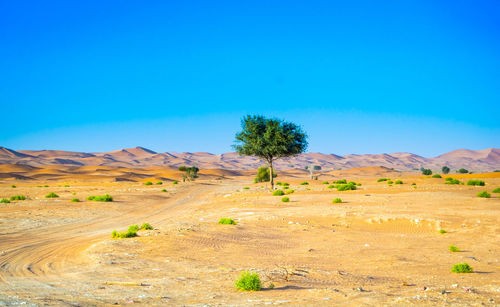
313	168
190	172
269	139
445	169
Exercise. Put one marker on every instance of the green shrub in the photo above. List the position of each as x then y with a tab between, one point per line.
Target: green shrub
426	171
453	249
159	182
131	232
175	182
332	186
285	199
279	183
13	186
382	179
164	190
462	171
285	184
75	200
304	183
436	176
450	180
461	268
345	187
18	197
146	226
484	194
246	188
341	181
476	182
358	184
442	231
51	195
337	201
263	174
114	234
496	190
227	221
289	191
286	187
4	201
278	193
148	183
414	183
390	182
398	182
326	182
104	197
248	282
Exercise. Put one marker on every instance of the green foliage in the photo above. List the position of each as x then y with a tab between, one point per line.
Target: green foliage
175	182
164	190
105	197
146	226
382	179
18	197
248	282
450	180
285	199
442	231
51	195
263	175
390	182
337	201
326	182
304	183
461	268
398	182
227	221
279	183
484	194
476	182
462	171
148	183
341	181
436	176
278	193
496	190
285	184
332	186
289	191
246	188
131	232
346	187
445	170
159	182
4	201
75	200
13	186
191	173
427	171
453	249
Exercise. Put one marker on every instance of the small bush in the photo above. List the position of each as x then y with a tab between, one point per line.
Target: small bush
496	190
285	184
289	191
51	195
332	186
18	197
285	199
146	226
175	182
341	181
414	183
450	180
390	182
278	193
484	194
304	183
326	182
453	249
337	201
442	231
248	282
246	188
159	182
426	171
398	182
131	232
13	186
382	179
346	187
358	184
227	221
436	176
75	200
461	268
148	183
164	190
4	201
279	183
476	182
286	187
462	171
105	198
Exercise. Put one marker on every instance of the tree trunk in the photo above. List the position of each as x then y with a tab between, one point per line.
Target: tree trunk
271	174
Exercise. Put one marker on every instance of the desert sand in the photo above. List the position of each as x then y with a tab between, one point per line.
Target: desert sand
381	246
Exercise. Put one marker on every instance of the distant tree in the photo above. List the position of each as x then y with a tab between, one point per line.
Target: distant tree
312	169
445	169
190	173
269	139
462	171
426	171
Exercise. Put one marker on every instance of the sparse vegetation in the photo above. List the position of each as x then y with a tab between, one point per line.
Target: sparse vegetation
285	199
337	200
346	187
146	226
227	221
278	193
51	195
75	200
398	182
450	180
382	179
462	171
159	182
190	173
442	231
454	249
304	183
263	175
461	268
148	183
496	190
248	282
436	176
427	171
4	201
326	182
390	182
484	194
13	186
18	197
332	186
289	191
341	181
175	182
475	182
246	188
105	198
164	190
131	232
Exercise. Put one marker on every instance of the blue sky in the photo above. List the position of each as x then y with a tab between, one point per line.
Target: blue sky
358	76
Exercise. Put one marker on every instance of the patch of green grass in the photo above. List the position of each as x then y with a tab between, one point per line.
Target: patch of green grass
51	195
148	183
326	182
436	176
248	282
227	221
4	201
164	190
159	182
382	179
442	231
484	194
454	249
461	268
285	199
304	183
278	193
175	182
75	200
476	182
346	187
398	182
337	201
104	197
18	197
146	226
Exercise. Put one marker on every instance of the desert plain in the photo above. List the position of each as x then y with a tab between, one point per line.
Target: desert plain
381	246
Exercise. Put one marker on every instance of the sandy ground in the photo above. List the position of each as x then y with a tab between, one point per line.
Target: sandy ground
381	246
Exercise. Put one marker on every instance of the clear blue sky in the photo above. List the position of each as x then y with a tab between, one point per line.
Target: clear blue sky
358	76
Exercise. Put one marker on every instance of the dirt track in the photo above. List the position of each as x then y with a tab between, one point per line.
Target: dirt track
381	246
